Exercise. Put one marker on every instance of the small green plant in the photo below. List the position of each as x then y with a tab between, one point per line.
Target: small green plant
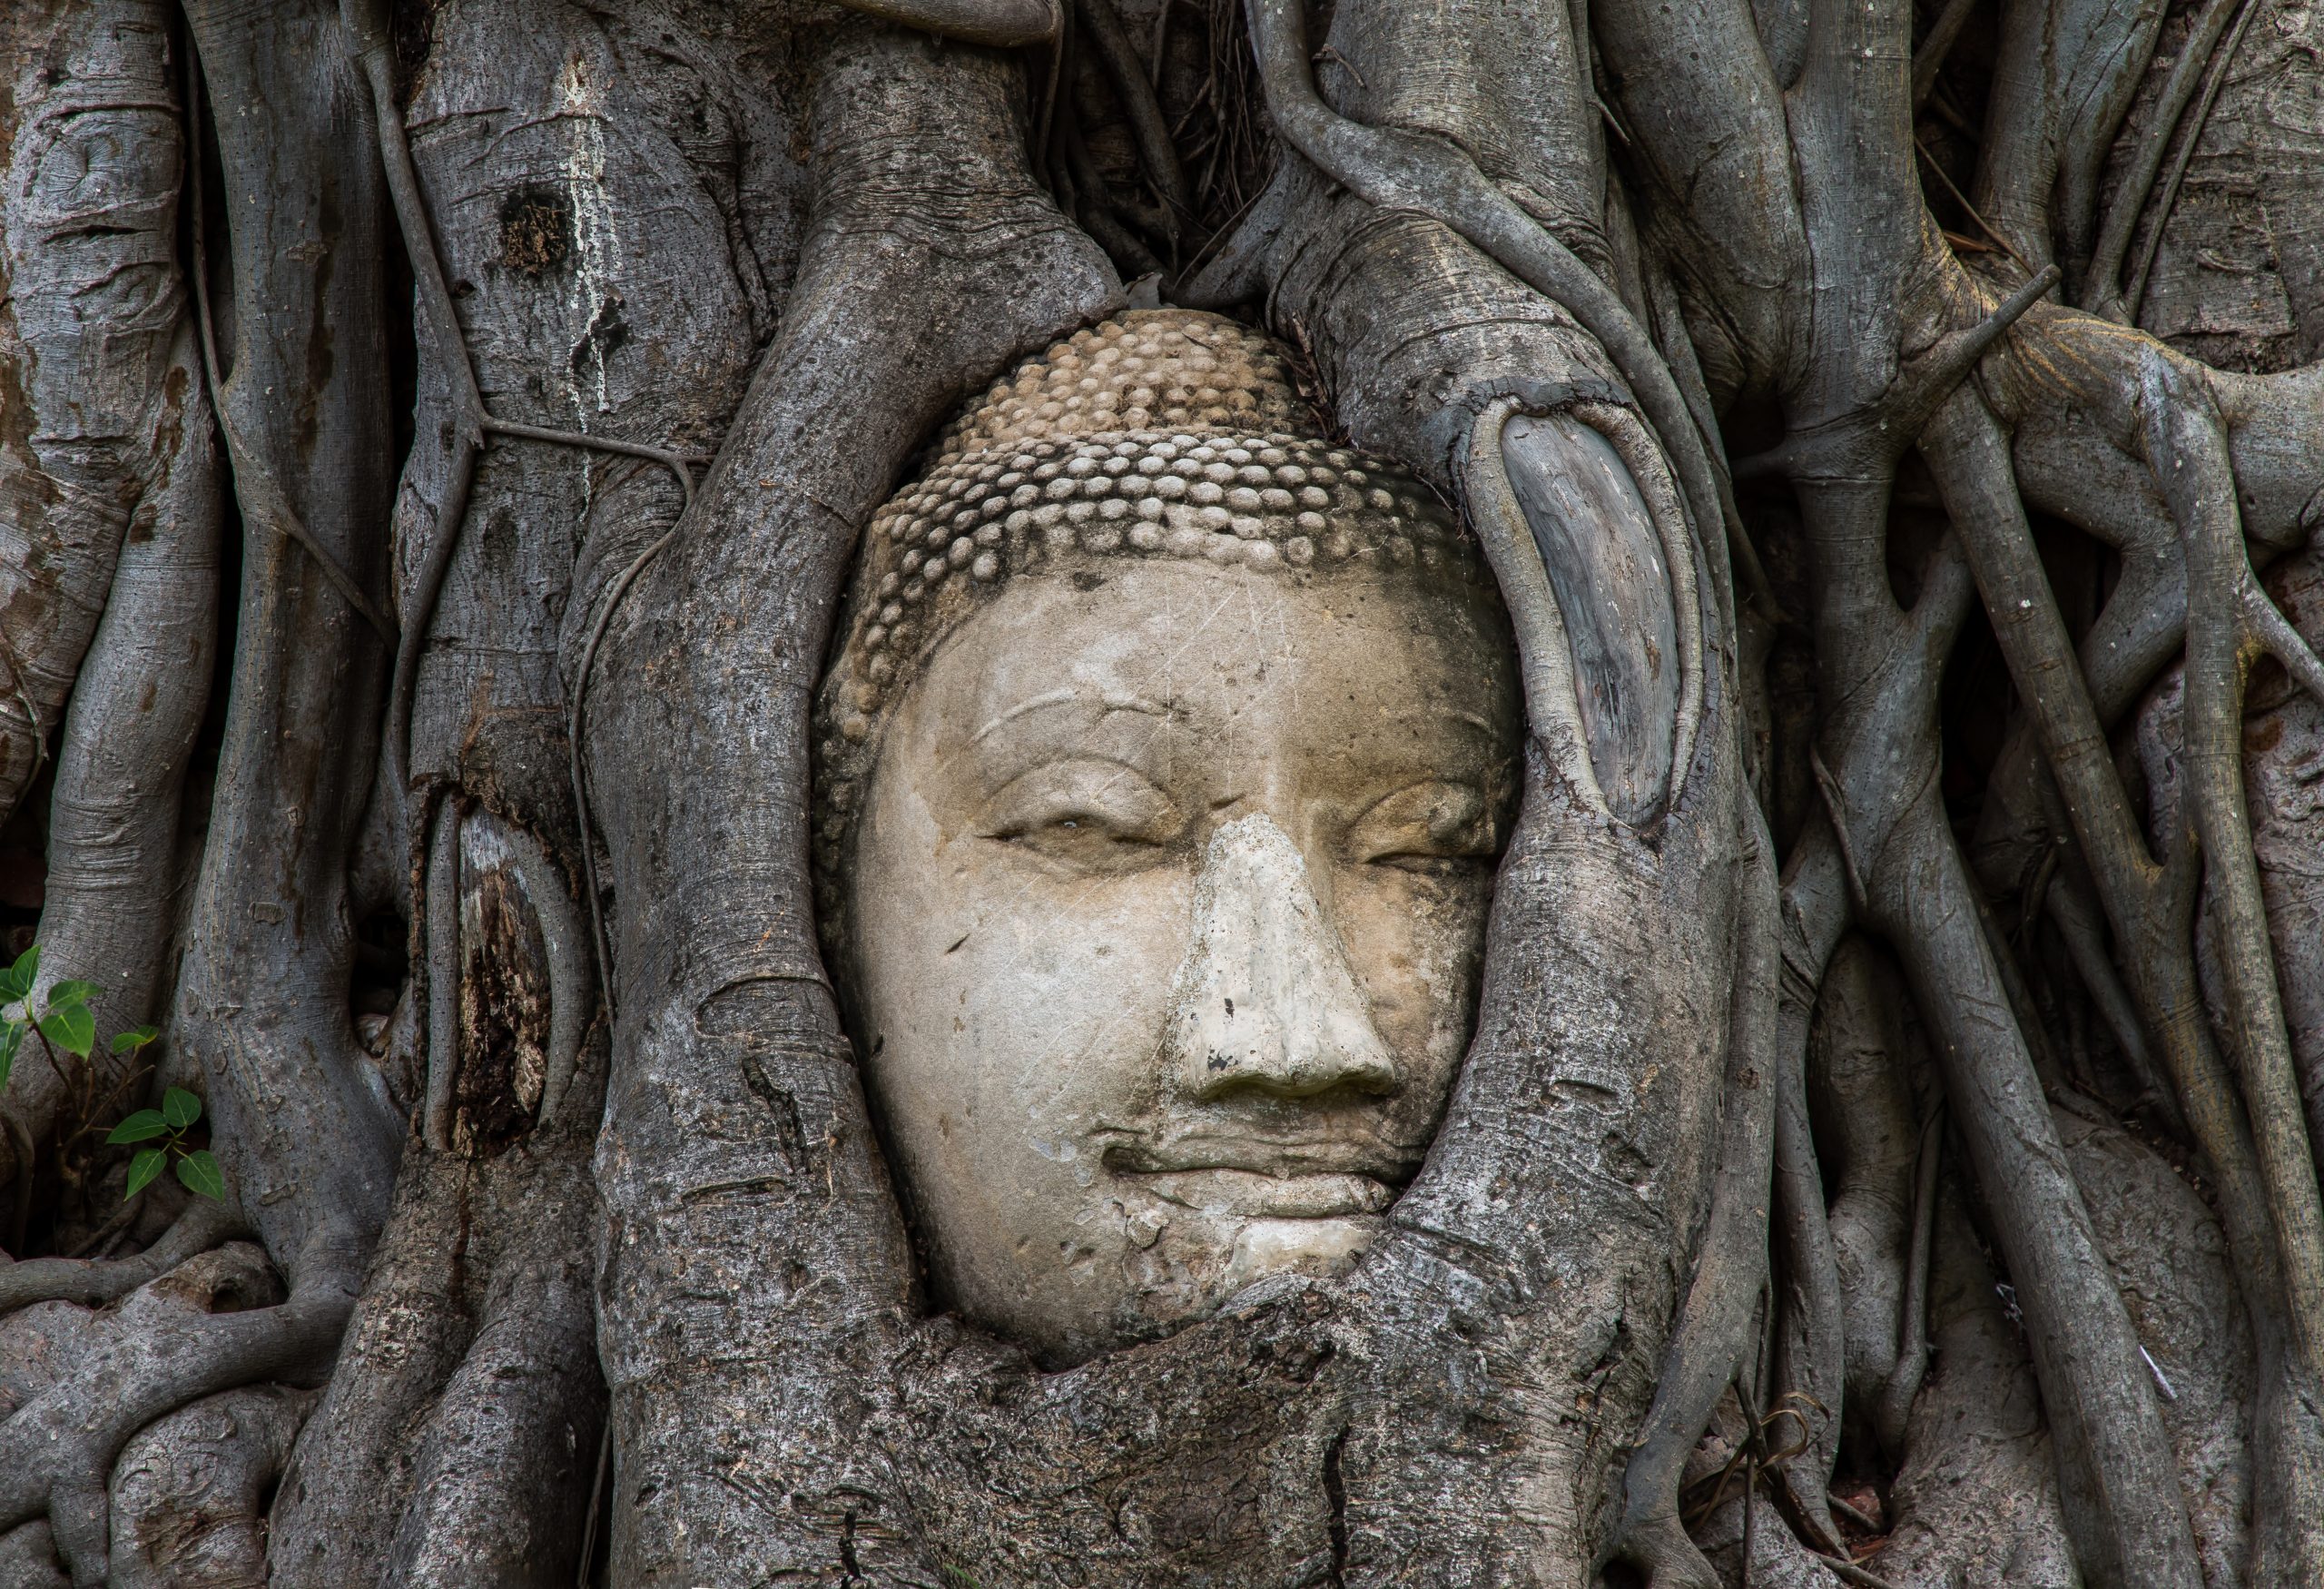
179	1112
59	1020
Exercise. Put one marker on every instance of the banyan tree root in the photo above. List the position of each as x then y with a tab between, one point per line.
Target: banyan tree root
1976	1498
1714	1335
202	1226
725	1013
1472	268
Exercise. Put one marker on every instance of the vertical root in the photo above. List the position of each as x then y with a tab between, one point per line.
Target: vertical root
1895	1411
2187	446
1714	1334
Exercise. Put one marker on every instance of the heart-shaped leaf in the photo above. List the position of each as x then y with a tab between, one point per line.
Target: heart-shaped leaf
16	981
143	1169
71	1028
12	1038
202	1175
181	1108
62	993
143	1126
136	1037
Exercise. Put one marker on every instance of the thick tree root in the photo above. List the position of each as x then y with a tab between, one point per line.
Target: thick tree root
1976	1502
1395	170
458	1439
28	1559
738	1252
91	338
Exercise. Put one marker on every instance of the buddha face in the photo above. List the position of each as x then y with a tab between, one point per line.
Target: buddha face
1166	923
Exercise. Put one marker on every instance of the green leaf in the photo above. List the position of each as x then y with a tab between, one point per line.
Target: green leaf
71	1028
17	982
143	1170
181	1108
62	993
136	1037
12	1038
143	1126
202	1175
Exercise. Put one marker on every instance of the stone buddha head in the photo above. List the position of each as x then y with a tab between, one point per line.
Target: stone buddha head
1164	768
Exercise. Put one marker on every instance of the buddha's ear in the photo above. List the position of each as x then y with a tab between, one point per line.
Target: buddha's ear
1599	580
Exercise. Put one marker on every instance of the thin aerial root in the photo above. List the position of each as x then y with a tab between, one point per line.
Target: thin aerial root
2273	633
1929	59
367	21
1945	178
2102	286
1853	1573
2135	293
599	622
19	686
99	1242
680	465
1809	1330
1155	152
2069	911
2187	450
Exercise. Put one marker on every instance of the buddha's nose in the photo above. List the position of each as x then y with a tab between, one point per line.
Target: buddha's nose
1264	1001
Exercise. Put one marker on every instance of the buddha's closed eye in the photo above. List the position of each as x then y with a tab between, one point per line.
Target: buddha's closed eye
1435	827
1084	813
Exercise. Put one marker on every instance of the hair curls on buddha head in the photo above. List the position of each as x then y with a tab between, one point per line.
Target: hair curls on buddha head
1161	433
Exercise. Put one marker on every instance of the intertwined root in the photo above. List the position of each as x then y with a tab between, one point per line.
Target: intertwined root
83	1383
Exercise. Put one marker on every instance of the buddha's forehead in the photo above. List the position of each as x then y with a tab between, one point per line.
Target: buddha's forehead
1121	654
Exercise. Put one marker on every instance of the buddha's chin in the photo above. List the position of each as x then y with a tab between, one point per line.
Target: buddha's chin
1317	1248
1211	1260
1165	1278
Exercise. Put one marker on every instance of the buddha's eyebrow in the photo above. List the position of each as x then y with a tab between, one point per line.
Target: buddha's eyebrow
1070	697
1484	726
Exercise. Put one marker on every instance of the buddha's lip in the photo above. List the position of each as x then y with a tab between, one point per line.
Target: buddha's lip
1279	1160
1258	1196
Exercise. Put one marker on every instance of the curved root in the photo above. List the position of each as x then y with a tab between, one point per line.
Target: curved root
202	1226
191	1491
